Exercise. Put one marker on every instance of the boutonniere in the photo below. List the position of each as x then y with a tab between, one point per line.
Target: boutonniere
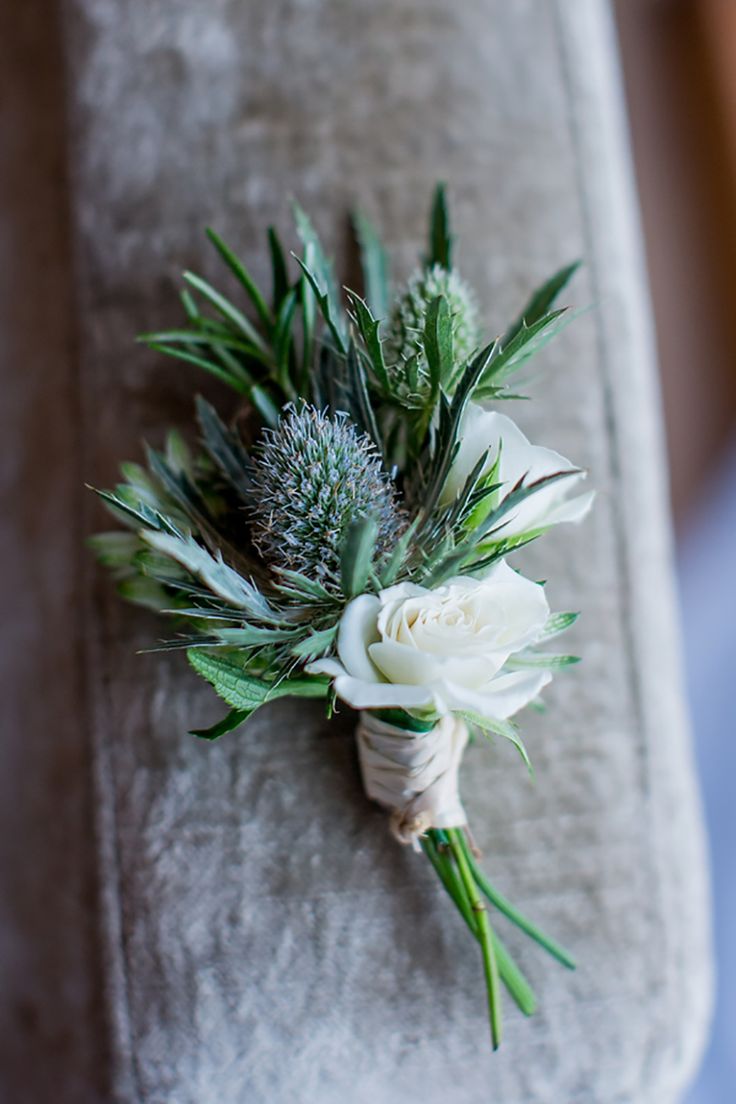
344	533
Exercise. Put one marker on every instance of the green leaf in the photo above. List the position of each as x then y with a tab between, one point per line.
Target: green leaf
318	263
329	308
374	263
357	556
282	340
221	579
526	343
542	300
224	307
398	555
144	592
253	636
244	692
115	550
538	659
438	344
399	718
134	512
498	727
236	382
303	586
316	644
279	271
557	624
445	444
368	327
440	238
231	721
243	277
211	338
357	398
225	447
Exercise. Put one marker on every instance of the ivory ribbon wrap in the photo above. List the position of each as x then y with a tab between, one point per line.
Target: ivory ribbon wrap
414	774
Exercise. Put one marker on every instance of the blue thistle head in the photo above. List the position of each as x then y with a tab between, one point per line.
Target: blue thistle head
312	477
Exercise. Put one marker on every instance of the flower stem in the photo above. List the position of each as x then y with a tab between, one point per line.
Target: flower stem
509	972
513	914
484	931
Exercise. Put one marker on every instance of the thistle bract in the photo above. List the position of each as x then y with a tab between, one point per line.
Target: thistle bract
404	349
314	475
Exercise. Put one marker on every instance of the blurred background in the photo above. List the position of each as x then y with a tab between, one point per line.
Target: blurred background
679	67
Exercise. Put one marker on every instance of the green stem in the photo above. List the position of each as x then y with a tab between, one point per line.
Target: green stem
513	914
510	974
485	934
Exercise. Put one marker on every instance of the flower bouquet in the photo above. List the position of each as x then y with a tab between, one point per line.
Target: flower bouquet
345	534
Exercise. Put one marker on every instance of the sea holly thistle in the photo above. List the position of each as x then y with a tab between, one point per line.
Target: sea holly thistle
339	534
314	477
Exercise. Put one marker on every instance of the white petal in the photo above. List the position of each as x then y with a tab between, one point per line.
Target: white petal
381	695
400	663
476	436
573	510
328	666
401	591
504	695
358	630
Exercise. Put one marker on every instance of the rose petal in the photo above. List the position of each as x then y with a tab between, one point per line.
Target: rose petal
504	695
358	630
381	695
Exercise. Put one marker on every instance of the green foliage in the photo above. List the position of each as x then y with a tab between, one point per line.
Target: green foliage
440	237
330	483
374	263
244	692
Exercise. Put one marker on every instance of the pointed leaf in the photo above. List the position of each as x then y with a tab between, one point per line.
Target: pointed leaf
357	556
375	265
229	722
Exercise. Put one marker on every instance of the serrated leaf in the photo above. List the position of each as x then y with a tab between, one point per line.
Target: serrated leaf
542	300
329	309
320	273
244	692
221	579
225	448
356	560
498	727
368	326
438	344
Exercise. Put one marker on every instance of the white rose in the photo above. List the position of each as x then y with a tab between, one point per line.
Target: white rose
483	430
443	649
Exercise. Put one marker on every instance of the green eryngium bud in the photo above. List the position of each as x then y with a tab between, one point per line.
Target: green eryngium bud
406	323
